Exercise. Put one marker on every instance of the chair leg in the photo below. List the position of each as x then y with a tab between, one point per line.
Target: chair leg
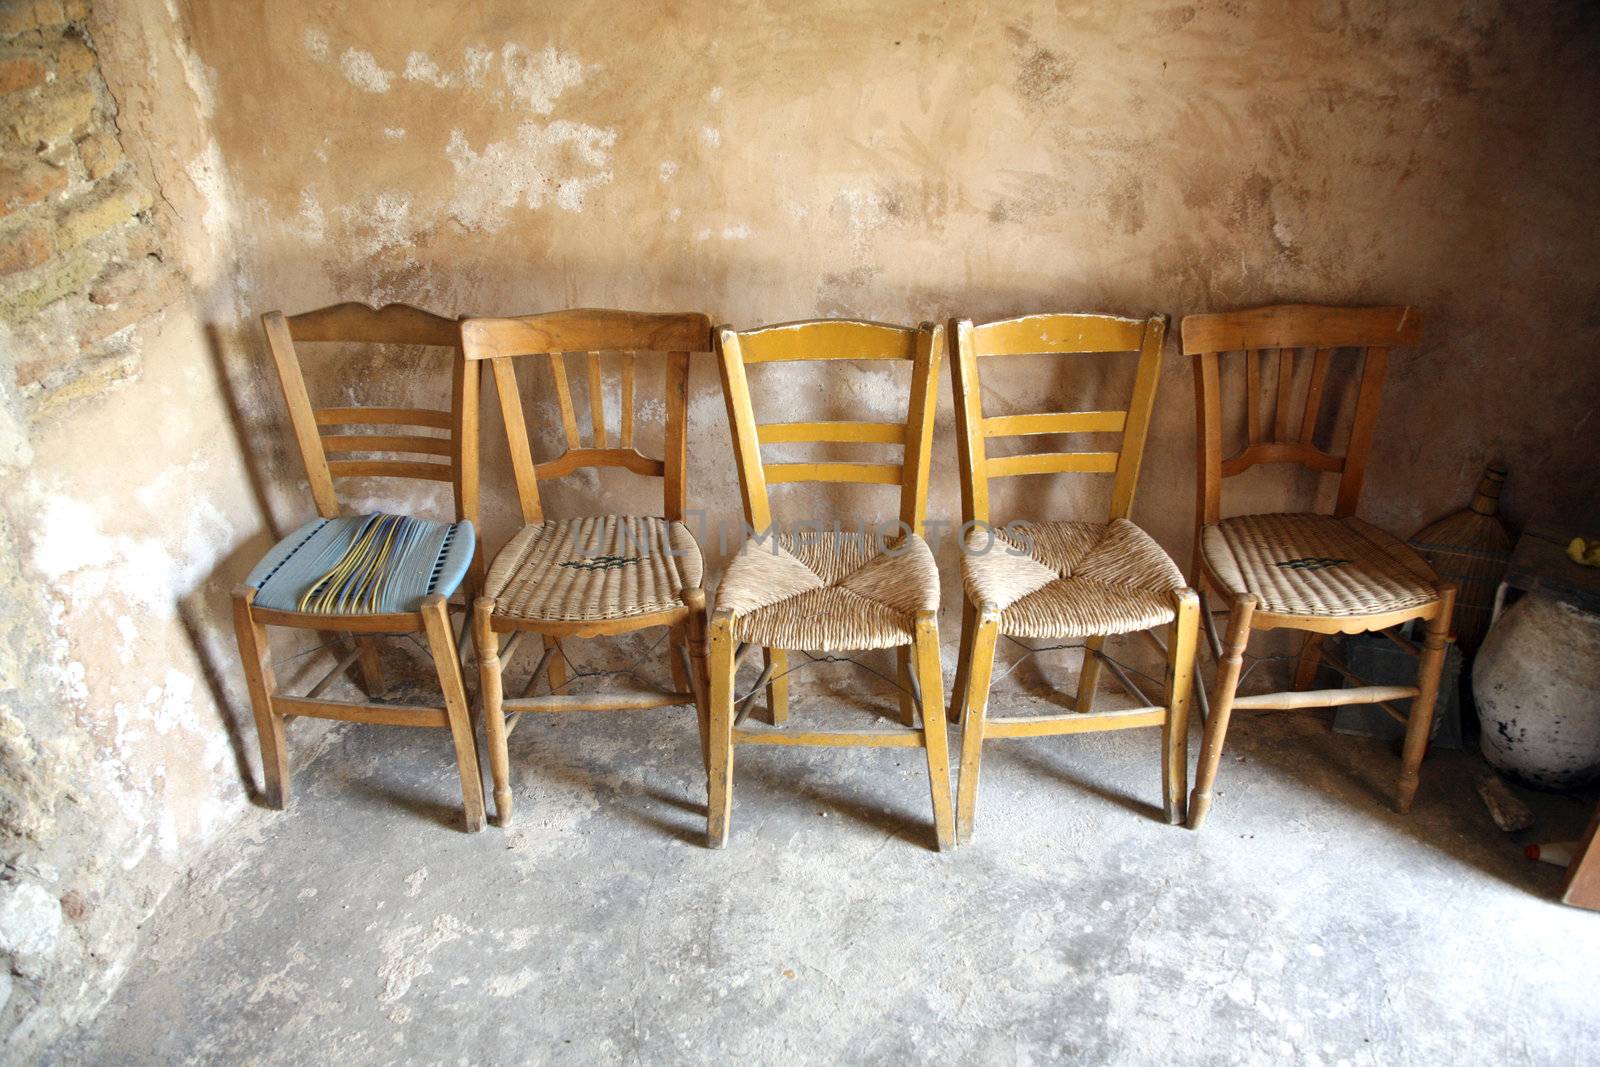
1222	695
908	705
556	674
984	636
490	686
930	677
1208	627
719	775
464	641
1182	641
699	679
256	655
442	644
680	677
778	688
1305	670
370	666
958	694
1089	674
1419	724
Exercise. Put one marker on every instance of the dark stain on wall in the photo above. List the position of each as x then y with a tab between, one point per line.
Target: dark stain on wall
1043	78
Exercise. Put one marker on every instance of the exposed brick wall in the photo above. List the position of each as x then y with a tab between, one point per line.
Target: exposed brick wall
80	255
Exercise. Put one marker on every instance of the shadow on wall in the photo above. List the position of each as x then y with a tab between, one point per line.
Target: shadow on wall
219	662
204	611
247	434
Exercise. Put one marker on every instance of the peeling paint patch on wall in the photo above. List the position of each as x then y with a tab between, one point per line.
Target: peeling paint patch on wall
532	170
362	71
537	79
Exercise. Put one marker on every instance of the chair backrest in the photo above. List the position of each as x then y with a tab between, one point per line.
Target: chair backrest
1067	335
1288	330
591	332
320	432
832	339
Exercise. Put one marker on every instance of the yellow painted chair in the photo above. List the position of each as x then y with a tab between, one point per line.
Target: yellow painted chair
595	576
828	590
1065	580
1322	574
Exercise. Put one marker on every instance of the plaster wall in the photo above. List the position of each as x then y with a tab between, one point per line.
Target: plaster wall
907	161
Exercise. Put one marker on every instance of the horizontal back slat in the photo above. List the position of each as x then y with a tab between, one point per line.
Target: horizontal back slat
1281	452
1058	334
574	458
863	473
396	324
1301	326
438	420
426	446
389	468
1079	337
667	340
586	330
316	430
1055	422
886	433
1052	463
833	339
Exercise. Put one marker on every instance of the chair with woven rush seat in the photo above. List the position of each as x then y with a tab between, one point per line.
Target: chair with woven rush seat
1065	580
364	574
1323	574
597	576
828	590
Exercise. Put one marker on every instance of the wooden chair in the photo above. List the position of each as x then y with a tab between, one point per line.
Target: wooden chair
1324	574
829	591
1065	580
596	576
364	574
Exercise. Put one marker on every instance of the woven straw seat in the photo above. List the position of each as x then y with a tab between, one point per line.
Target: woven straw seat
829	592
604	567
1316	565
1071	579
363	565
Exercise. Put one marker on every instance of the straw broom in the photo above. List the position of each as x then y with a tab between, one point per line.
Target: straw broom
1471	548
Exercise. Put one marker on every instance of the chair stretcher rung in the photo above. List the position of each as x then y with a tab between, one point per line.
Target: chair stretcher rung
1402	642
382	714
1127	683
328	679
1324	698
1073	723
832	738
509	648
538	671
597	702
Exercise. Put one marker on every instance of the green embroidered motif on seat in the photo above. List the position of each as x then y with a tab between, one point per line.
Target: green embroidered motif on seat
600	563
1311	563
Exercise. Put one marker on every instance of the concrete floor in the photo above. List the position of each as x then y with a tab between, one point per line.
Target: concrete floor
1307	923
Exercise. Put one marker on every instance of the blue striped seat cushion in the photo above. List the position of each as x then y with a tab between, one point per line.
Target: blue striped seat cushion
363	565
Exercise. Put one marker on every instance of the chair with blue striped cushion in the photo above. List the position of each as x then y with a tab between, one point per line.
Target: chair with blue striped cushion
365	575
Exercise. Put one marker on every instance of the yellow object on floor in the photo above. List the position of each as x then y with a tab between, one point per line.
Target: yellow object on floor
1584	553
